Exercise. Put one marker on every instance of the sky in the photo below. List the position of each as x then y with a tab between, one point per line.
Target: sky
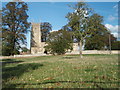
63	0
55	12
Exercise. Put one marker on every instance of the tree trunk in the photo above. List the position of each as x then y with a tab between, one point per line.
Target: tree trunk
13	44
80	49
13	47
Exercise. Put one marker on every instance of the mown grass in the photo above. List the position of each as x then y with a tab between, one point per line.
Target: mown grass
65	71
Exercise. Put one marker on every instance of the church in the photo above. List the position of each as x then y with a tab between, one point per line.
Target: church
37	46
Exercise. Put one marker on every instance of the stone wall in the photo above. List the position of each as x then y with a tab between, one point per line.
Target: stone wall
95	52
41	54
40	49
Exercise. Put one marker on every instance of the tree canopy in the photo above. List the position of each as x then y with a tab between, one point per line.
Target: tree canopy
78	21
116	45
88	27
14	26
59	42
46	27
99	37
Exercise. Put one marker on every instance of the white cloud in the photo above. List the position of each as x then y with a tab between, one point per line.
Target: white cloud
113	29
53	30
117	35
112	18
116	8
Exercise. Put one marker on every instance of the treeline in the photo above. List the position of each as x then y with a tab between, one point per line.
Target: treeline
84	27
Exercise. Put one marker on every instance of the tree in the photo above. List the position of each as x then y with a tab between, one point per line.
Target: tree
14	26
79	22
116	45
46	27
99	38
25	49
59	42
98	42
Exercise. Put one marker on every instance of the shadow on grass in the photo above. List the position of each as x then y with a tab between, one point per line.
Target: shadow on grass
12	73
69	57
96	84
9	61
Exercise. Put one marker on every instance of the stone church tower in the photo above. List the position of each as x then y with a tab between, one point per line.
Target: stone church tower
36	45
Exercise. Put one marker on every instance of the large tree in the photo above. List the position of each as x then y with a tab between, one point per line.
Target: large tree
59	42
78	21
14	26
99	37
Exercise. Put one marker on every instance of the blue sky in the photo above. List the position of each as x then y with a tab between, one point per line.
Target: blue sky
55	12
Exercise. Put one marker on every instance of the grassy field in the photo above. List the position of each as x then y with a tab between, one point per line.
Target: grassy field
67	71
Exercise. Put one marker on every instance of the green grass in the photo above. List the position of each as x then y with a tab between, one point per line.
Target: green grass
64	71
